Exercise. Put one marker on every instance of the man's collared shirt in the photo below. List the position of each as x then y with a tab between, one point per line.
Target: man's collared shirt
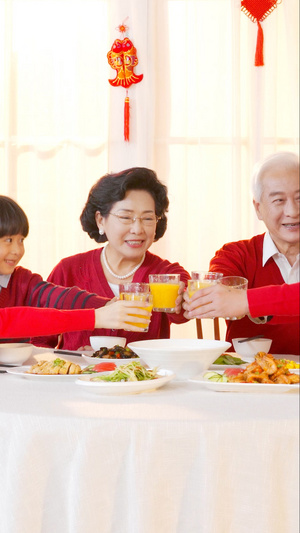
289	273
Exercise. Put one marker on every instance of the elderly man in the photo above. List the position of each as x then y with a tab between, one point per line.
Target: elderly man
273	257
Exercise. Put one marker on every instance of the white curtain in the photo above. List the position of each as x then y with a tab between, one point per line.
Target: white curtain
201	117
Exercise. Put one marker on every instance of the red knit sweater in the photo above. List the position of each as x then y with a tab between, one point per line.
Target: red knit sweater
29	321
85	271
28	289
244	258
280	301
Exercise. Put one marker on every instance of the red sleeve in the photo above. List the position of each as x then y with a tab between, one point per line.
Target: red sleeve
16	322
277	300
46	294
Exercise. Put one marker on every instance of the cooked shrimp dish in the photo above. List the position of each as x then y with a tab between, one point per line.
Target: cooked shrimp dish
265	369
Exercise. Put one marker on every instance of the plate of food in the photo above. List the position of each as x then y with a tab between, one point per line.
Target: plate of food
117	354
129	378
264	374
58	369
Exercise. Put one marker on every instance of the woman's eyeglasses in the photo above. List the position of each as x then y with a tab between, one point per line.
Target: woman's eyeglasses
147	220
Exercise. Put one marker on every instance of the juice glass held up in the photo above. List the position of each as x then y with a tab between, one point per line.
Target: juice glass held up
201	279
164	288
138	292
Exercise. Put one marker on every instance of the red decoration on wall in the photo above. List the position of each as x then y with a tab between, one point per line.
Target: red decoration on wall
122	57
257	11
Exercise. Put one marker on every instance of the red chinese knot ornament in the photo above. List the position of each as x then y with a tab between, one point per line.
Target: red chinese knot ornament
122	57
257	11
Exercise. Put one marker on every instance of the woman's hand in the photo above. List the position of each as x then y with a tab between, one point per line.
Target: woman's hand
179	298
216	300
118	314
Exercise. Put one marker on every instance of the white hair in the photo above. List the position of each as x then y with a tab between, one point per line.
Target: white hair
286	160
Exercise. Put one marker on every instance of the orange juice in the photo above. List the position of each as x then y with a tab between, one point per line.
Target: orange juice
139	297
164	296
194	285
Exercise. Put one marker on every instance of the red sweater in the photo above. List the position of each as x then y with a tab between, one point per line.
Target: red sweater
85	271
29	321
28	289
280	301
244	258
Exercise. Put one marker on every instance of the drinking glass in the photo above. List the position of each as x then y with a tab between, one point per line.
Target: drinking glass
201	279
235	283
137	292
164	288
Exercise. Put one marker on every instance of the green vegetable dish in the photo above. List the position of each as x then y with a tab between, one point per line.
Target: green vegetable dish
229	360
133	371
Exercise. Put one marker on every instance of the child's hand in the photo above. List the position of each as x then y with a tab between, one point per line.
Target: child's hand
118	314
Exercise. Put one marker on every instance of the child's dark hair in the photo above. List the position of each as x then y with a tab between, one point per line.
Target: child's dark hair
13	220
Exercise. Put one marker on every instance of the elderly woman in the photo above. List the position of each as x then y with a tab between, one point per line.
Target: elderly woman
128	211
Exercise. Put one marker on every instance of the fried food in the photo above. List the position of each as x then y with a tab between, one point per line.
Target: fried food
58	366
265	369
266	362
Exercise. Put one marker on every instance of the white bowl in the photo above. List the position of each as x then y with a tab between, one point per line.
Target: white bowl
106	342
185	357
251	348
15	353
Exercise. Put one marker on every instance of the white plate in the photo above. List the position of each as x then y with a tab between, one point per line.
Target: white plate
220	386
125	387
21	371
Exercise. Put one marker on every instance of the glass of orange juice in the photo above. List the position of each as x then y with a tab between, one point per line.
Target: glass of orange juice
201	279
164	288
137	292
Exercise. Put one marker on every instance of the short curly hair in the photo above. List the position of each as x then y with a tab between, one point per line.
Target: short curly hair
112	188
13	220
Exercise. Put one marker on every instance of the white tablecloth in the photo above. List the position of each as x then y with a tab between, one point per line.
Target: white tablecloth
182	459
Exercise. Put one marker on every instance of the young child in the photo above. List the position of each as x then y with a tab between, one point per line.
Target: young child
20	287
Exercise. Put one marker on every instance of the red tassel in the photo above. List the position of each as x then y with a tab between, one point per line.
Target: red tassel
259	54
126	119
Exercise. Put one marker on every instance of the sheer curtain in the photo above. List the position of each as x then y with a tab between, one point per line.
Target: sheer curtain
201	117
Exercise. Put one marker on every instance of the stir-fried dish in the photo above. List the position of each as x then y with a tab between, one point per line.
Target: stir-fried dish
265	369
117	352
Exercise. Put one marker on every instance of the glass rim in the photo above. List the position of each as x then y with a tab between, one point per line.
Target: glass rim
234	277
240	281
206	274
134	287
169	277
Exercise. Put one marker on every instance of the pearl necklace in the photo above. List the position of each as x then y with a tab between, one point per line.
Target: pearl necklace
116	275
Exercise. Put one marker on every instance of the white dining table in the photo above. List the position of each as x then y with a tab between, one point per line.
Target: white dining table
181	459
